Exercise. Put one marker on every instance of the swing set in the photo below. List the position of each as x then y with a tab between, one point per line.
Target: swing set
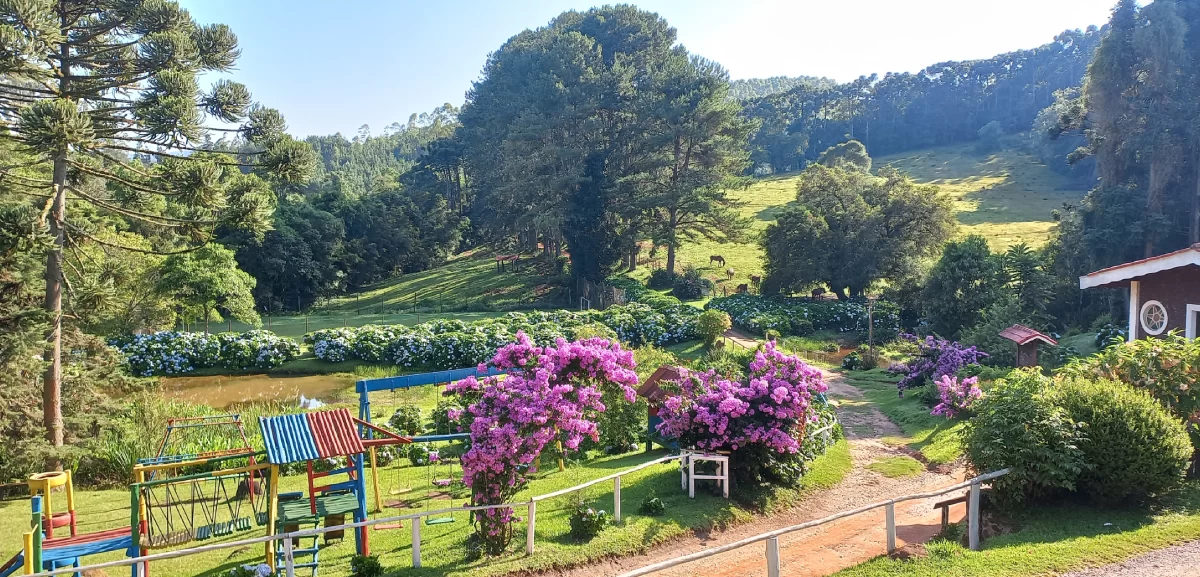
436	479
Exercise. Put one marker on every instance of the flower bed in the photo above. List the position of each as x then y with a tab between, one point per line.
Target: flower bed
797	316
447	344
173	353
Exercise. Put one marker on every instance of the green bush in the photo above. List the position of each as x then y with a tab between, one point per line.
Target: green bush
1134	447
712	324
660	279
652	505
365	566
1018	426
587	521
800	316
690	285
801	327
406	420
1109	335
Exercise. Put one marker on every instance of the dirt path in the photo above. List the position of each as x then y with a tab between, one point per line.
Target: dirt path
825	549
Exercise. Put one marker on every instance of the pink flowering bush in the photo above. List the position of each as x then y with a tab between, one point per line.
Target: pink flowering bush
957	396
549	393
761	421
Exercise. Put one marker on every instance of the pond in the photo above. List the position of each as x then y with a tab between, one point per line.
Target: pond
223	391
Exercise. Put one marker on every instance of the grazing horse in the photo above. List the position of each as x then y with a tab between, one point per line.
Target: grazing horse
730	272
756	280
742	288
717	259
817	292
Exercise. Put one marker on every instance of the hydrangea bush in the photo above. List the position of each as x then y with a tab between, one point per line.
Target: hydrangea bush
936	357
550	393
761	421
789	315
174	353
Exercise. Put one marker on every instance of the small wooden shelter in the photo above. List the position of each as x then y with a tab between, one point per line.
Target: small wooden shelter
655	395
1027	340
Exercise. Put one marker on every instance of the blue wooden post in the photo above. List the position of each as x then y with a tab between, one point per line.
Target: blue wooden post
360	514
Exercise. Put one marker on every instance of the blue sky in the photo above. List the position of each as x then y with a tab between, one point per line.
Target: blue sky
334	66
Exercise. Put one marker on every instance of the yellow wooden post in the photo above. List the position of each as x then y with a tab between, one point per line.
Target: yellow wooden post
28	545
375	481
272	512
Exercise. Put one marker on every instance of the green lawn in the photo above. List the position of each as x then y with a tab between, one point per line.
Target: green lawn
444	546
896	467
936	438
1056	538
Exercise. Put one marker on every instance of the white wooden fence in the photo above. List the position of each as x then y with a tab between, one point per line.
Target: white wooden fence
772	538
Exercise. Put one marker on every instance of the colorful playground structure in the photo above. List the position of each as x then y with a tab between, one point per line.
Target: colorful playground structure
183	495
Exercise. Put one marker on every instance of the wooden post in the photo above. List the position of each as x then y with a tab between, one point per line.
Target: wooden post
691	478
561	466
890	515
529	526
773	557
272	512
416	542
617	499
375	480
973	518
289	560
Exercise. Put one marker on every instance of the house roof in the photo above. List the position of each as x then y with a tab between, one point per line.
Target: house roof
1022	335
650	389
1140	268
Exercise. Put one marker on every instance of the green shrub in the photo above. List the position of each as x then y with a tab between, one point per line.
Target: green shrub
1109	335
406	420
1018	426
587	521
652	505
418	454
830	347
690	285
660	279
1133	446
712	324
801	327
854	362
365	566
442	425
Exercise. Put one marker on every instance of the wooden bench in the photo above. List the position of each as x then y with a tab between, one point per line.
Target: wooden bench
945	507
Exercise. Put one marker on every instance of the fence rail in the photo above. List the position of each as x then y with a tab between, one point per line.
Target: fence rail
772	538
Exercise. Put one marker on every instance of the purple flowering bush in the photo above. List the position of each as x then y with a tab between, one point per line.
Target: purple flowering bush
956	396
936	358
760	420
550	393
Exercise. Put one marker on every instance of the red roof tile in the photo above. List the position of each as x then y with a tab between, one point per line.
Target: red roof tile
1022	334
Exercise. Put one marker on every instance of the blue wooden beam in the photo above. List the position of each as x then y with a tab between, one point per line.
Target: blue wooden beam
421	379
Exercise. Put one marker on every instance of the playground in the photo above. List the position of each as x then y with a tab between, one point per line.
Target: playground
219	478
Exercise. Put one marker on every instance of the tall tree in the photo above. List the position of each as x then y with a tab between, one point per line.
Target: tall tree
698	144
966	280
850	229
106	90
206	282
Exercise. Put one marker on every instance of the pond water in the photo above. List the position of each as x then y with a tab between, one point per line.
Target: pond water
222	392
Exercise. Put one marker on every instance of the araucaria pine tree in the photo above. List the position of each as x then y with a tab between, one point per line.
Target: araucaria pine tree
103	96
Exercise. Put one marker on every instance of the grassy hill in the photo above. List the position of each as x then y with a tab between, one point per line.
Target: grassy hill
1007	197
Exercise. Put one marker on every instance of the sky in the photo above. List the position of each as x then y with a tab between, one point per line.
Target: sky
335	66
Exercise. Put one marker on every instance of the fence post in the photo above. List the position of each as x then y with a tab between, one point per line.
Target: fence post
691	478
416	541
289	561
773	557
973	517
890	514
617	499
529	527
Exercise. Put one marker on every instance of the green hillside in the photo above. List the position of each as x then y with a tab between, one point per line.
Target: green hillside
1007	197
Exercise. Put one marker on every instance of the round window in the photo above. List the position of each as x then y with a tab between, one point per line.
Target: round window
1154	317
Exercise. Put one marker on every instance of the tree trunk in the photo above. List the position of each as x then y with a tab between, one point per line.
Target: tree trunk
52	417
671	242
633	256
205	320
841	293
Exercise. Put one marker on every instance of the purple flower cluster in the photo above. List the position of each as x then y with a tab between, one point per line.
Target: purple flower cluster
548	394
936	358
770	409
957	396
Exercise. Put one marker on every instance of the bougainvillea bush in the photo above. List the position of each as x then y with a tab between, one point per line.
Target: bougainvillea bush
761	420
173	353
550	394
936	358
795	316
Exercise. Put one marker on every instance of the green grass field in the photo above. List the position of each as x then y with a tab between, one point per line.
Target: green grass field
444	546
1007	197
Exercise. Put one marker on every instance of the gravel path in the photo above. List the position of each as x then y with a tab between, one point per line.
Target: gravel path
1178	561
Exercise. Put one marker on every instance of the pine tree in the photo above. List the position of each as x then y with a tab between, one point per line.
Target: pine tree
104	95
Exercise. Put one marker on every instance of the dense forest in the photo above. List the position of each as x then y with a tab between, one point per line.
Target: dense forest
747	88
